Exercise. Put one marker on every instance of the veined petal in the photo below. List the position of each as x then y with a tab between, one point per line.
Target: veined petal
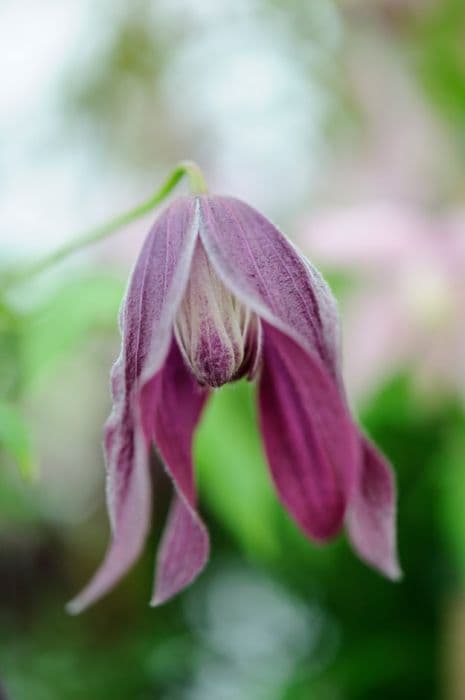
129	534
154	294
184	547
265	271
371	519
311	445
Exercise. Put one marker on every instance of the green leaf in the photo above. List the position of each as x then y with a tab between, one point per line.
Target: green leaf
451	493
10	351
65	319
438	44
15	440
232	472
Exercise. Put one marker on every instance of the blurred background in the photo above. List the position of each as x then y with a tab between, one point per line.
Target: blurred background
344	122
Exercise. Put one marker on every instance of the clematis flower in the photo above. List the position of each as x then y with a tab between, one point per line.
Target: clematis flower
218	293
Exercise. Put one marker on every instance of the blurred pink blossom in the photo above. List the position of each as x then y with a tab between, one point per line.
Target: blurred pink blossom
407	308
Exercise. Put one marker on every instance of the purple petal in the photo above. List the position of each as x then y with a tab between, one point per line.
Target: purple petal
184	547
154	294
266	273
264	270
128	538
311	445
183	553
371	519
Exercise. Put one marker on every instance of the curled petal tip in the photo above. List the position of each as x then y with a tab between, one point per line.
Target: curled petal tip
391	567
156	601
394	572
184	547
184	551
163	596
384	562
73	607
371	519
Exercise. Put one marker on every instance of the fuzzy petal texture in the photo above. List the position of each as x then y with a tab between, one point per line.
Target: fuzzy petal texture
308	434
174	402
301	343
153	297
267	273
371	517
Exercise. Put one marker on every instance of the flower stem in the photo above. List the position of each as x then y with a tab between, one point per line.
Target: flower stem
196	177
185	168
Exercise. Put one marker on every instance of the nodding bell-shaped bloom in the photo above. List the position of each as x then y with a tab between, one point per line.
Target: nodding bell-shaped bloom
218	293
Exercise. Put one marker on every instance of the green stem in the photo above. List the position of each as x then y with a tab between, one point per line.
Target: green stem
185	168
196	177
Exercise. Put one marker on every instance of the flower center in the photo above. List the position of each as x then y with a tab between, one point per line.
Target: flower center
217	334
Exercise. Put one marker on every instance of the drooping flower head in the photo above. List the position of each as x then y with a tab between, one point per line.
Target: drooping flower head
218	293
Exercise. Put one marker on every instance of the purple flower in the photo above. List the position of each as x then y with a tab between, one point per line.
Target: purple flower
218	293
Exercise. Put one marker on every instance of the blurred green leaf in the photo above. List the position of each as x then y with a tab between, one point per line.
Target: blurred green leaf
10	353
232	472
452	497
15	440
440	50
59	324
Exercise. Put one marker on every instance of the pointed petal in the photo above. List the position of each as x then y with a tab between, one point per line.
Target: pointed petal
371	519
311	444
266	273
184	547
313	461
154	294
128	537
264	270
183	553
